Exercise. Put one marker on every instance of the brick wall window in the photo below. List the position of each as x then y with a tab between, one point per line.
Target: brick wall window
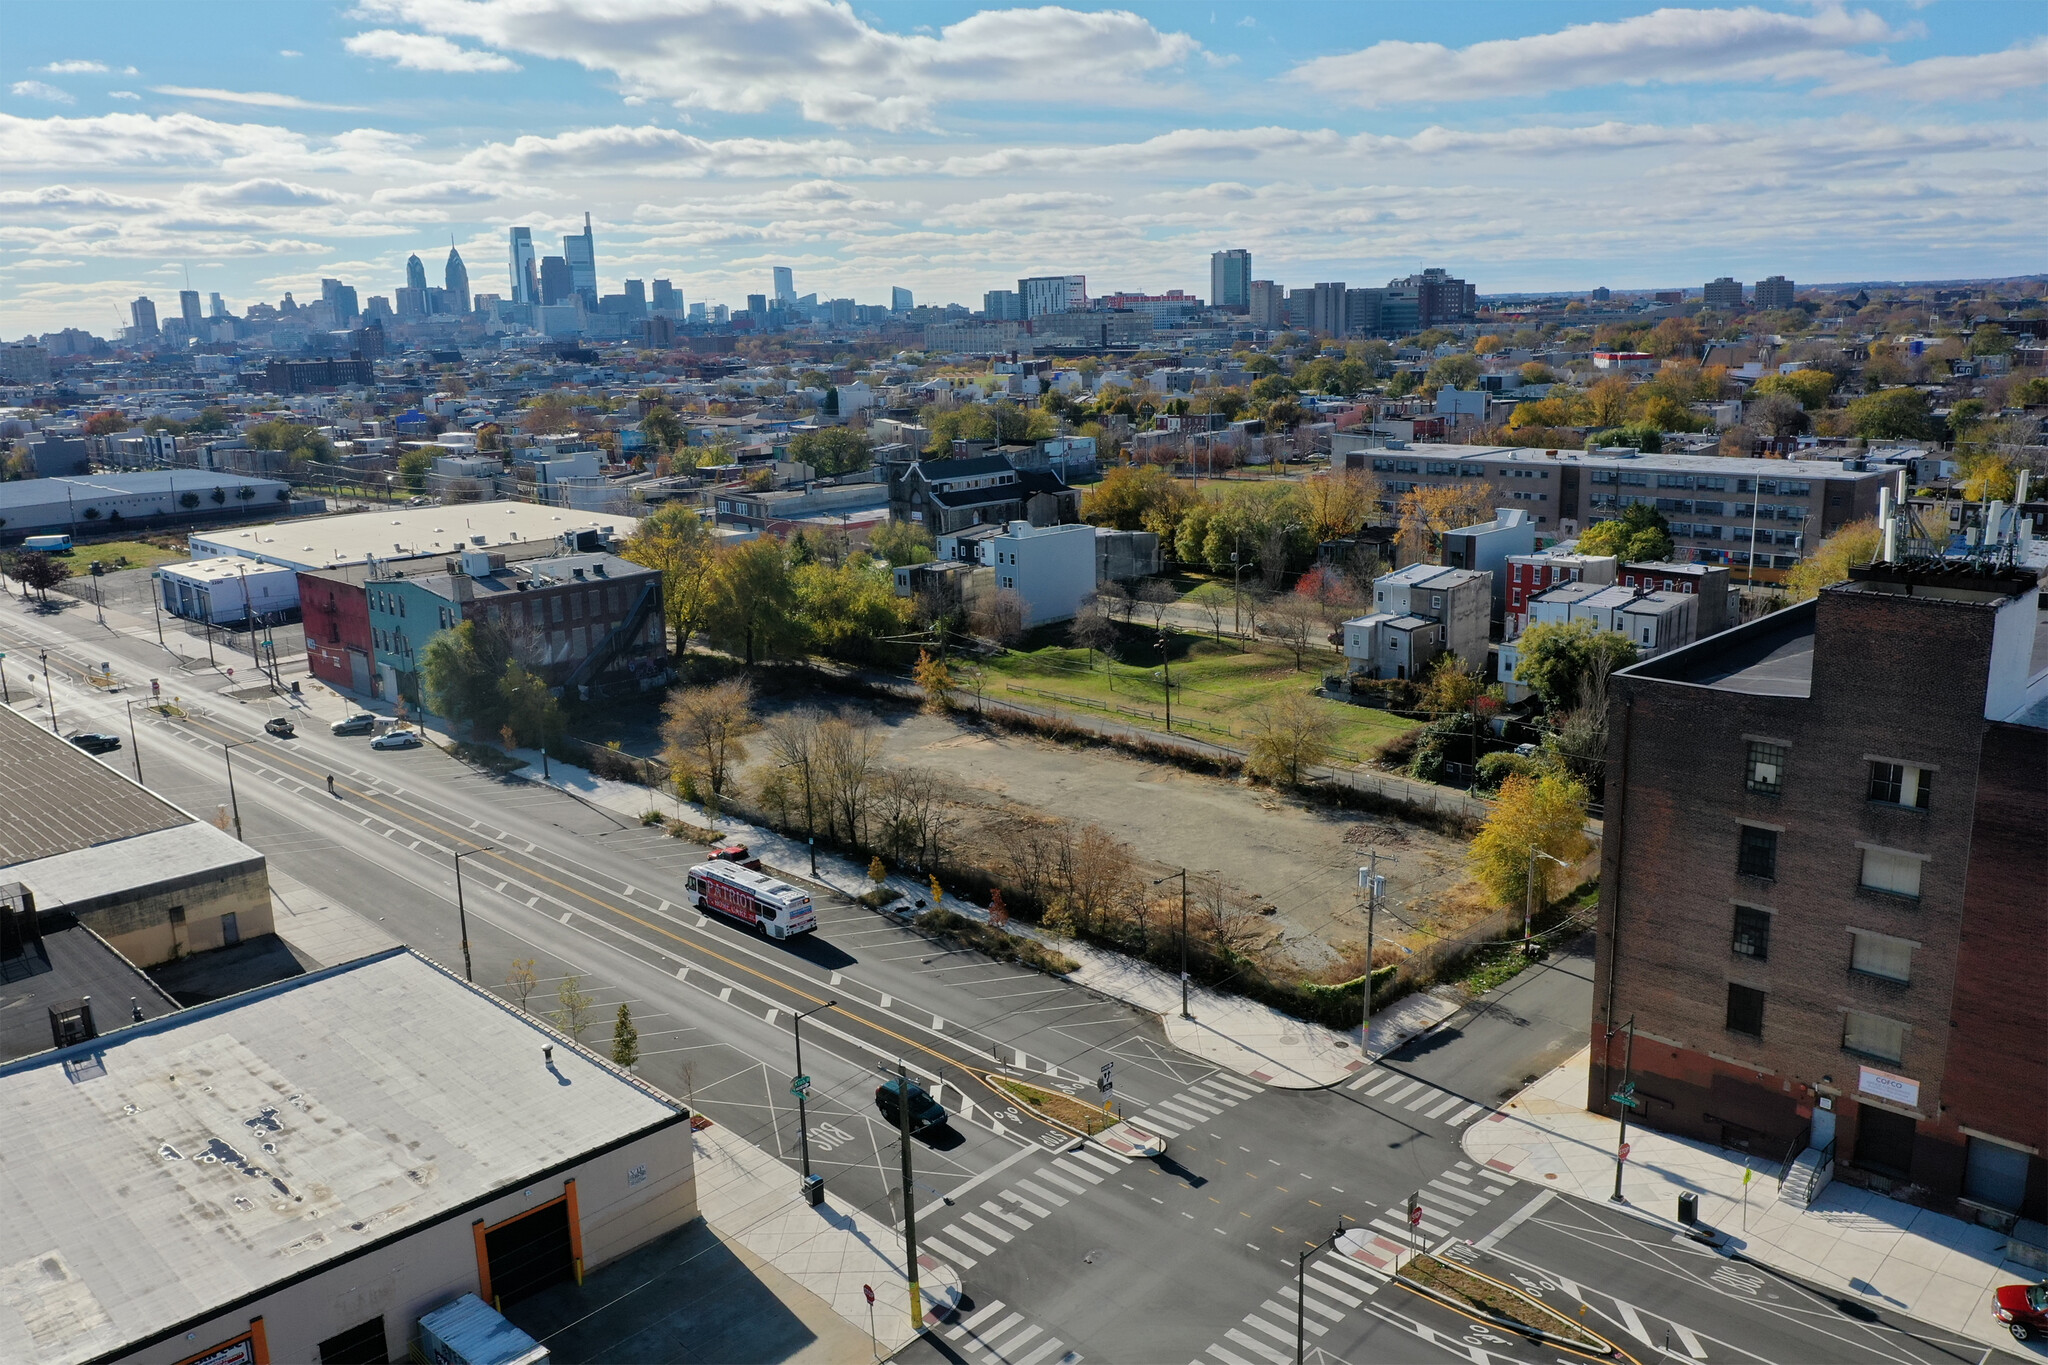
1891	871
1871	1035
1757	856
1881	955
1898	784
1766	772
1752	932
1745	1010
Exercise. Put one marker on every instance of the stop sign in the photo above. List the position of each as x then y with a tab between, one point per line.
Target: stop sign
1415	1216
1624	1151
868	1290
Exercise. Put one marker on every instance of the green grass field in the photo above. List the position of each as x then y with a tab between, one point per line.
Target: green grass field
1218	686
140	554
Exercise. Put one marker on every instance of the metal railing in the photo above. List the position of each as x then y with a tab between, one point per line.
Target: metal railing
1792	1153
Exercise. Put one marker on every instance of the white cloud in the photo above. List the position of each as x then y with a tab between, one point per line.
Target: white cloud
289	52
122	95
64	199
425	52
262	99
266	192
181	140
1665	46
75	67
450	193
652	150
39	90
835	66
1979	76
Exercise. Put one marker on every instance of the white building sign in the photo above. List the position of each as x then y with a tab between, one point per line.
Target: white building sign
1885	1086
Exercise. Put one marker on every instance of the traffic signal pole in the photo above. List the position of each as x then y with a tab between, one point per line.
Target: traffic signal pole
909	1201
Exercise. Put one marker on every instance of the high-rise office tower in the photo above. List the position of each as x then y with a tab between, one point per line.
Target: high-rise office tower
343	298
555	281
665	299
1267	304
415	274
785	286
757	305
1042	294
525	282
636	298
215	308
1230	280
143	312
900	301
1326	310
456	279
1002	305
188	308
581	253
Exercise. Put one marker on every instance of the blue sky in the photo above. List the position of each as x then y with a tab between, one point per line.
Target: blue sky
949	149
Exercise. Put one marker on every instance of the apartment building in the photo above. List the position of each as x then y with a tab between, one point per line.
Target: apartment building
1823	886
1527	576
1721	510
1419	613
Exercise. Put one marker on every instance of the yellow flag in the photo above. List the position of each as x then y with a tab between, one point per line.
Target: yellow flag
1747	1174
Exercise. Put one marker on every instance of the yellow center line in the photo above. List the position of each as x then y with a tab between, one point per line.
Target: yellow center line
977	1072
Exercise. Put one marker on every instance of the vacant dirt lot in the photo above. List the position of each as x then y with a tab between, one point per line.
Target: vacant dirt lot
1302	861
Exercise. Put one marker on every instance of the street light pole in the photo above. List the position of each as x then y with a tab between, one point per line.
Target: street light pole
803	1123
1628	1068
1529	892
227	752
49	689
1300	1287
1183	875
134	745
462	913
909	1203
1369	879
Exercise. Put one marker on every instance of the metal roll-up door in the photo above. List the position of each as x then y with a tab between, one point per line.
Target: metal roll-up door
530	1252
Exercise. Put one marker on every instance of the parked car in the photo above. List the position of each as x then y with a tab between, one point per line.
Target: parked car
397	739
925	1112
733	851
95	743
280	727
2023	1308
359	724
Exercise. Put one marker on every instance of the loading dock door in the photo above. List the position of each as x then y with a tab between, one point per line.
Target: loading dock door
528	1253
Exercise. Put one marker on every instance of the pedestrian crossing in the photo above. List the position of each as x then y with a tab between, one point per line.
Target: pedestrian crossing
1337	1282
985	1228
998	1335
1195	1105
1405	1094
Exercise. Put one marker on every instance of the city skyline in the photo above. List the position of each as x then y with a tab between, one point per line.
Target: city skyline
1874	142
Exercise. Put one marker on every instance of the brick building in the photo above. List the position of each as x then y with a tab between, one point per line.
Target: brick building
1825	885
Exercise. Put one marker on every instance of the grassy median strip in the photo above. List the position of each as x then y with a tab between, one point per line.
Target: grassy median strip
1064	1110
1490	1296
1003	947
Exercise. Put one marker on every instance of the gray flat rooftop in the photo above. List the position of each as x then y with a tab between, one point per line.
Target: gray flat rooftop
178	1166
57	798
68	962
1768	662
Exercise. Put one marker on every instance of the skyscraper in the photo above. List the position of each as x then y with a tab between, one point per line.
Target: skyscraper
900	301
456	278
1230	280
188	308
665	298
143	312
1002	305
415	273
1326	310
636	298
785	286
1266	302
581	253
215	308
525	283
555	285
343	297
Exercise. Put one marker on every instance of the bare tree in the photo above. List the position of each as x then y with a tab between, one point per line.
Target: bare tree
522	980
1115	599
702	730
1093	629
1155	598
915	809
1214	601
1295	621
793	741
1288	737
999	616
848	752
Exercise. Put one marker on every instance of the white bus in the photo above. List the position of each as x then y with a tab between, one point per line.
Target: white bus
750	897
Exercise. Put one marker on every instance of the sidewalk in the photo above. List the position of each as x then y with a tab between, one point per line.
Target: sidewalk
1240	1035
1926	1265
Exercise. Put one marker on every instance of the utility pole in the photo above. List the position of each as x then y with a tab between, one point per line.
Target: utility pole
1529	894
1369	881
461	913
49	689
803	1086
1183	875
1166	678
909	1202
227	753
1626	1097
134	746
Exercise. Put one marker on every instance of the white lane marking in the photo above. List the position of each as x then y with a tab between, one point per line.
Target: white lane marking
1487	1242
1634	1322
565	915
1443	1108
1079	1173
995	1210
1428	1093
1396	1096
1047	1195
960	1234
1690	1342
968	1324
1066	1185
1021	1202
1252	1343
1042	1352
1459	1119
958	1259
1000	1234
1226	1357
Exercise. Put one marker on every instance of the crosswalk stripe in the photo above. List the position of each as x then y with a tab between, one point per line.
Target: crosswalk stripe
1030	1331
1428	1093
1000	1234
1459	1119
1047	1195
1205	1107
1252	1343
1394	1227
1226	1357
995	1210
1078	1172
1442	1109
960	1260
980	1315
1365	1079
1352	1273
1396	1096
984	1338
1216	1096
1151	1122
1051	1179
960	1234
1095	1159
1283	1312
1021	1202
1461	1202
1323	1287
1316	1305
1388	1080
1461	1179
1042	1352
1237	1085
1185	1115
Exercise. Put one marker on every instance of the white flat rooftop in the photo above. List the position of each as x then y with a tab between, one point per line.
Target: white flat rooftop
169	1169
353	537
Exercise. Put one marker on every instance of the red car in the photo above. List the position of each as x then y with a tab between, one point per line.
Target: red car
2023	1308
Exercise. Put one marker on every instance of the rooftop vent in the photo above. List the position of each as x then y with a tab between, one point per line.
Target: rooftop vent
71	1022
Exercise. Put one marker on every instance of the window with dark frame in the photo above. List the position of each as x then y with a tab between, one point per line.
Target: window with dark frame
1757	855
1766	772
1752	933
1745	1010
1897	784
